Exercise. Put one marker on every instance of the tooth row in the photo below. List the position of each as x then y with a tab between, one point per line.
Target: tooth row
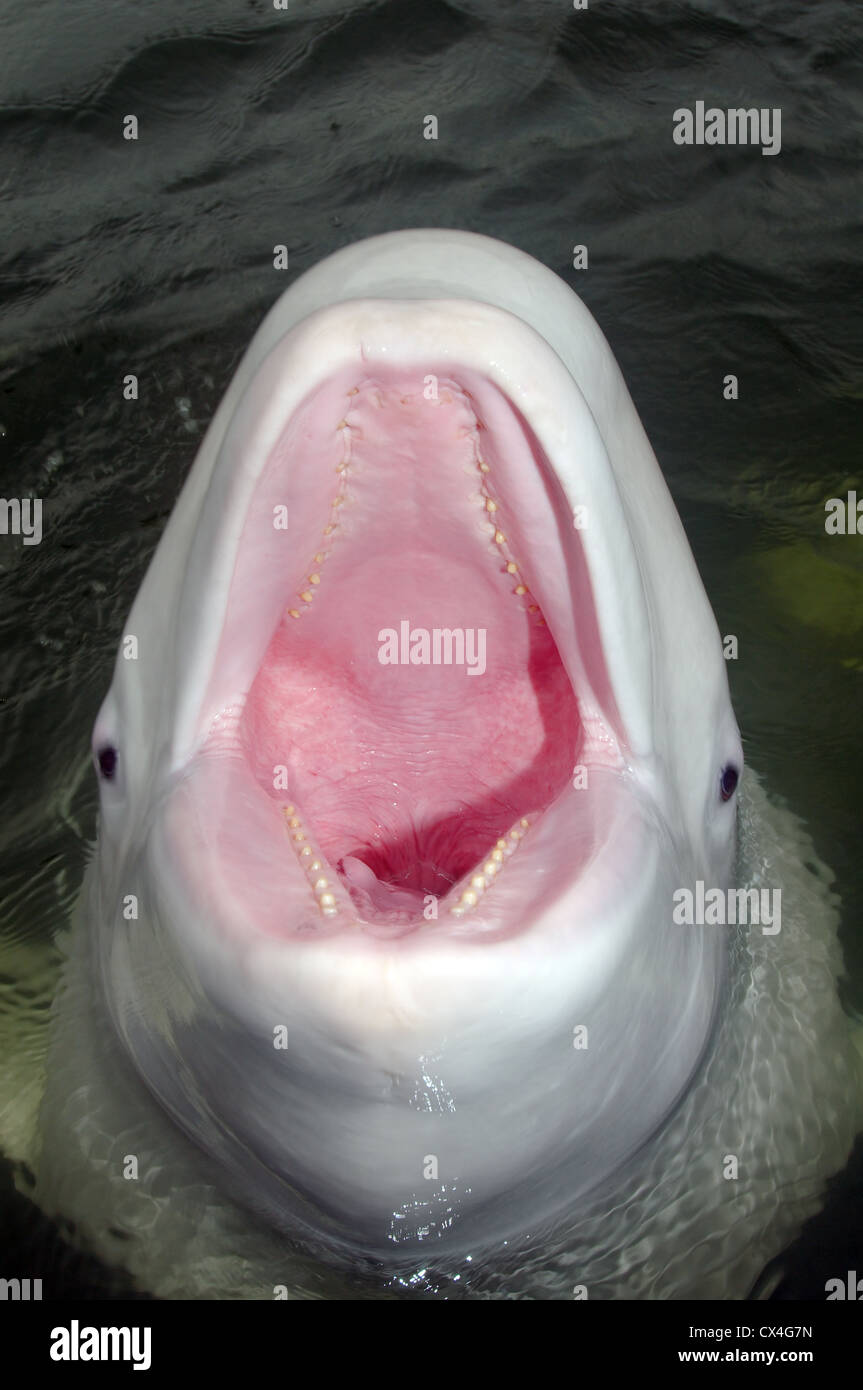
310	862
483	878
510	564
490	507
307	593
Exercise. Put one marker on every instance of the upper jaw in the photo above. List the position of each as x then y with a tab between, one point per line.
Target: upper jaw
510	368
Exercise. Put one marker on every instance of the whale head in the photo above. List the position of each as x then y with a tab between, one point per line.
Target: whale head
419	721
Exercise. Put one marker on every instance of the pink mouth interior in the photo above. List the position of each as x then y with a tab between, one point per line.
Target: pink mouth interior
405	775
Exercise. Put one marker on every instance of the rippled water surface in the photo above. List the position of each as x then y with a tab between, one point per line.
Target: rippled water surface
155	257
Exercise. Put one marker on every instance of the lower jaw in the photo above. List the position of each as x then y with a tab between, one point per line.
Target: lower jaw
421	894
228	853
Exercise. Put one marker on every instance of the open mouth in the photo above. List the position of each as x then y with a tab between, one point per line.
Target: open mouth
413	719
412	688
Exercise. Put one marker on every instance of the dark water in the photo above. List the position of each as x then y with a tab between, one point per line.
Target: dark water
260	127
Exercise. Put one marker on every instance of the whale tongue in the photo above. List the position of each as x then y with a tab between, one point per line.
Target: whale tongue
377	898
411	688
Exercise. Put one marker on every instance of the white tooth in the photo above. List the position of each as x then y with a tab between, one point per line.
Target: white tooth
480	882
312	866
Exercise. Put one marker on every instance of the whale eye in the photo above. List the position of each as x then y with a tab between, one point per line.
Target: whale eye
728	782
107	760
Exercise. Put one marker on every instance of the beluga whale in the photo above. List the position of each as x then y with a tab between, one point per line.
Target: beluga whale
419	733
388	930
